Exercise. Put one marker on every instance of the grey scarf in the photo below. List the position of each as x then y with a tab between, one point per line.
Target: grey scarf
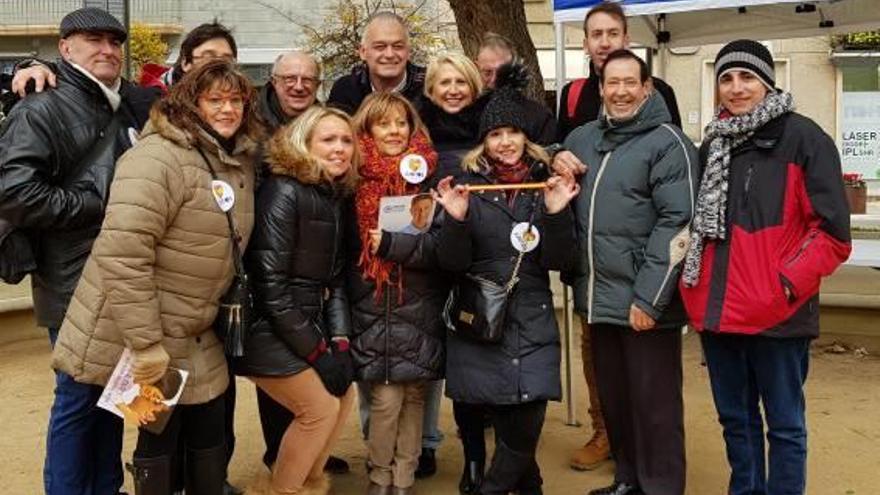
724	135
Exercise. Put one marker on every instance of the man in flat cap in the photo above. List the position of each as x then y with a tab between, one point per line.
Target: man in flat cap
58	150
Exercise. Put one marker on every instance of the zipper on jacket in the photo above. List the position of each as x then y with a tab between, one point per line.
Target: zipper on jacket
387	331
592	276
804	246
748	185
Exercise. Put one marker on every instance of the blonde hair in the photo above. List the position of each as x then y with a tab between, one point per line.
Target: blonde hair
294	139
377	105
476	160
459	62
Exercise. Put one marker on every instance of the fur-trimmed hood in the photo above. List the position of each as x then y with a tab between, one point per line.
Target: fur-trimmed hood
281	159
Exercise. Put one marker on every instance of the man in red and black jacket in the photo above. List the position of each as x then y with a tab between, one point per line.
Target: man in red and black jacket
771	220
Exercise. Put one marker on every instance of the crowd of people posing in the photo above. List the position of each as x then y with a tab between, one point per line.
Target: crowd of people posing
142	205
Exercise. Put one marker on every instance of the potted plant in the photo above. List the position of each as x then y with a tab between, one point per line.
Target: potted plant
856	192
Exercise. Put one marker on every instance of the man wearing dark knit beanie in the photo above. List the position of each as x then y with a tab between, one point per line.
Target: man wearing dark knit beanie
771	220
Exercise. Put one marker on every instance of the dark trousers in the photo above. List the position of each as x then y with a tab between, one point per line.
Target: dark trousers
514	467
471	422
84	442
640	387
274	419
195	441
745	371
179	458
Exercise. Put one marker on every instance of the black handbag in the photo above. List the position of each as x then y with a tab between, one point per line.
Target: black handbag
236	309
477	307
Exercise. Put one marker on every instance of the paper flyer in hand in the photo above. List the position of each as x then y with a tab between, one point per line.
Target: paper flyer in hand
406	214
145	406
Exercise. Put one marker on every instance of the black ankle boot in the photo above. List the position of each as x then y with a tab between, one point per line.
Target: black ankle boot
509	467
205	471
152	475
471	478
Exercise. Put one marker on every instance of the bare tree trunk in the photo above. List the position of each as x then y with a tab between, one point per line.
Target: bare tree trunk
505	17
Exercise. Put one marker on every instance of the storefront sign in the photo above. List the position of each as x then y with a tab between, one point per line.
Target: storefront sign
860	149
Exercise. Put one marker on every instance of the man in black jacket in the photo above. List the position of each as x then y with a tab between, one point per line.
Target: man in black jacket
385	52
605	31
57	155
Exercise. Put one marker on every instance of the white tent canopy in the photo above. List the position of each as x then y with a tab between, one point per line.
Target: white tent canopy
698	22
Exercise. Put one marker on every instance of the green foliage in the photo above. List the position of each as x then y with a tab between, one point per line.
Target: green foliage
335	41
147	46
866	40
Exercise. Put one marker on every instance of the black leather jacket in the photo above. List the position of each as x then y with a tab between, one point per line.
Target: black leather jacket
295	260
46	188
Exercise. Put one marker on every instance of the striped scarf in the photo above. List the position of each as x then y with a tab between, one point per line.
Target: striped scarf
725	133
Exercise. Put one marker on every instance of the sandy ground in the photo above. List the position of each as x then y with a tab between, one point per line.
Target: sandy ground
843	407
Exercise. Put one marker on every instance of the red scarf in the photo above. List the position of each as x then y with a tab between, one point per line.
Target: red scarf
510	174
380	177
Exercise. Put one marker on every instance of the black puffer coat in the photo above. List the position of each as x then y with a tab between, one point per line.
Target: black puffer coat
524	366
47	192
398	340
295	261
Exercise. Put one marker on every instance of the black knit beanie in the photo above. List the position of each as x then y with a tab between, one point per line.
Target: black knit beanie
92	19
506	106
747	55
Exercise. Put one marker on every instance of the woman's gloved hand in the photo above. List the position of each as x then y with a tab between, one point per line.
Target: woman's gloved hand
149	364
333	375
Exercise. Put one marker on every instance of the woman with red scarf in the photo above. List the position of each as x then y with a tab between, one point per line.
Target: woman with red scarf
501	233
396	293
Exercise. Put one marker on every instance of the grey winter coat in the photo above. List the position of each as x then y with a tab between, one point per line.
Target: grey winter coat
633	215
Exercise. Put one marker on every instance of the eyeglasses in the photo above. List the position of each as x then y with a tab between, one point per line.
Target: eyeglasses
217	103
292	79
214	56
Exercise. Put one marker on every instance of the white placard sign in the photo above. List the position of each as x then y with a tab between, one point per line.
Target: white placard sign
860	138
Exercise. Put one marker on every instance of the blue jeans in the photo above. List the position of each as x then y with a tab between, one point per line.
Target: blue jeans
84	442
745	370
431	434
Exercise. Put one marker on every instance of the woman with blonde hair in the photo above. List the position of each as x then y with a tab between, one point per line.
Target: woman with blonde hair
511	238
450	107
297	351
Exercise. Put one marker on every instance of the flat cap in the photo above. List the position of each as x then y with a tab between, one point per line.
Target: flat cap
92	19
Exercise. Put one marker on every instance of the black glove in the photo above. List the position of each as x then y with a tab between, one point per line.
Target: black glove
333	374
341	351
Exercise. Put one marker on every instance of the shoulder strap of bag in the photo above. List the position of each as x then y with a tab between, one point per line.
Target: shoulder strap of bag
233	232
574	96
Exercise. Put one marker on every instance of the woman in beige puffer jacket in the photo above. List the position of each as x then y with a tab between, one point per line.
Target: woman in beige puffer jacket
161	263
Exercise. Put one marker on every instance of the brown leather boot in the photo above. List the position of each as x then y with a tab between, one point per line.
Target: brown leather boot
592	454
596	450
